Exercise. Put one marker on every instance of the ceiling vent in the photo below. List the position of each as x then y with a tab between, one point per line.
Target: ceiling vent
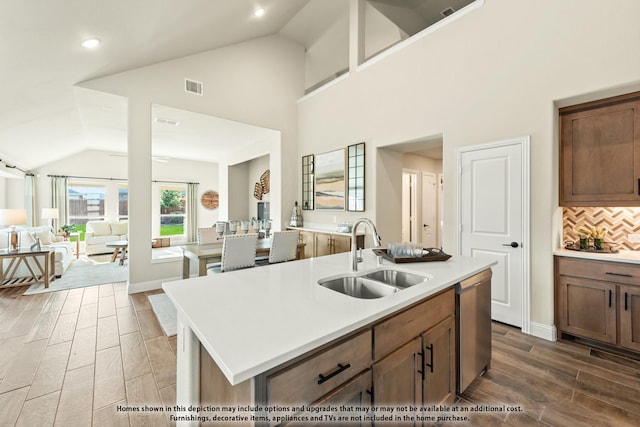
448	11
166	121
193	86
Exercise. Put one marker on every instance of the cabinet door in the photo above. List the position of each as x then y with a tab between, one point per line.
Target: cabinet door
600	156
439	363
341	244
308	238
587	308
323	244
397	379
629	307
355	395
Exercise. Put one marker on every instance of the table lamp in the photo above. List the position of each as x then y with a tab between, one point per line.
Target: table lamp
13	217
49	214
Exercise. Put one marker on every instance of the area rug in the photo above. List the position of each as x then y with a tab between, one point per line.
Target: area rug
166	313
85	272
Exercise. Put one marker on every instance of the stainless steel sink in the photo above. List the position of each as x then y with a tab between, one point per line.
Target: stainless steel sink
359	287
400	279
376	284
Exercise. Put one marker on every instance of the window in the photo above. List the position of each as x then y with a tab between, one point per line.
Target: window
123	202
86	203
173	202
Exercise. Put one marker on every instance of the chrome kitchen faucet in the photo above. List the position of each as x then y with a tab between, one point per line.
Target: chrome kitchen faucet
354	245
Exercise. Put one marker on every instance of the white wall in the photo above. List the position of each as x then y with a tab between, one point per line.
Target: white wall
495	73
257	82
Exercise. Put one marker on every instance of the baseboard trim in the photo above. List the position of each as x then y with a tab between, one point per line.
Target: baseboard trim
540	330
135	288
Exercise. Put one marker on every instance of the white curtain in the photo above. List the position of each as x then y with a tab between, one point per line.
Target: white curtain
30	200
192	212
59	199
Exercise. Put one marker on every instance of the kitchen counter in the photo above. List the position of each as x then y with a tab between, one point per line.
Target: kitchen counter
629	257
327	228
253	320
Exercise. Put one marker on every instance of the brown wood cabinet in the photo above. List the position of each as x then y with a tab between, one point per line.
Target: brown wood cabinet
323	243
599	300
438	347
600	153
630	317
397	378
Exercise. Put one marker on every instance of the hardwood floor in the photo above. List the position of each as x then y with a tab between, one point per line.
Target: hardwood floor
69	358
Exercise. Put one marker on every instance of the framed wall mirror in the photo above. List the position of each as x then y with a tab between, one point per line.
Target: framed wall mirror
355	177
307	182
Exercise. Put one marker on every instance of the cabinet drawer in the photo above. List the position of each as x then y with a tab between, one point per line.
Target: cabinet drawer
599	270
313	377
399	329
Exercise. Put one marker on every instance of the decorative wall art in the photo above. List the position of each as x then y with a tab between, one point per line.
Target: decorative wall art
265	181
330	180
307	182
257	191
210	199
355	177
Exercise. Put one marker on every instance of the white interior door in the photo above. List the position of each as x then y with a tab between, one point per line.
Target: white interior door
409	224
492	205
429	224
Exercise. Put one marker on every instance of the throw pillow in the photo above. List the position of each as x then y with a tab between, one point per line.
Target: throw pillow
99	228
119	228
46	238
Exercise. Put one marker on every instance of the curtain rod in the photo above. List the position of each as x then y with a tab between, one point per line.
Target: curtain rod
117	179
7	165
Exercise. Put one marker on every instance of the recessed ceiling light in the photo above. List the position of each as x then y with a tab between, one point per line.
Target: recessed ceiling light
259	12
90	43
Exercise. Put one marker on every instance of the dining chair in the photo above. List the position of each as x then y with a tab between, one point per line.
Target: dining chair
238	251
284	247
207	235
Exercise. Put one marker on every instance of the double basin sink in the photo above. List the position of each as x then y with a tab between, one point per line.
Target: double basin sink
374	284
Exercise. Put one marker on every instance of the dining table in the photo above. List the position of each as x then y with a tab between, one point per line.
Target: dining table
212	252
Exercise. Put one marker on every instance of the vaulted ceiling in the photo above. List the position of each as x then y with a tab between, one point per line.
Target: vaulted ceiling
44	116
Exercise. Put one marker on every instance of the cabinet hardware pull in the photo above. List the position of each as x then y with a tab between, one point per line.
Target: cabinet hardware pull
618	274
421	370
430	364
341	368
610	295
625	301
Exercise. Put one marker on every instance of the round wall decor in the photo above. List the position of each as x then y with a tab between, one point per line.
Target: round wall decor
209	199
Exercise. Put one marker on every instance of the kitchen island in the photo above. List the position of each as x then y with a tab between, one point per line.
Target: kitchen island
247	339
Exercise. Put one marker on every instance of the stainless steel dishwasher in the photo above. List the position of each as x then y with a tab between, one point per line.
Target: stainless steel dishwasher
473	328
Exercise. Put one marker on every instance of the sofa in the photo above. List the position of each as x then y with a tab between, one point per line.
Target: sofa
63	250
99	233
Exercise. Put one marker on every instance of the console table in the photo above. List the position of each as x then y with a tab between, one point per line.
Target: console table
40	267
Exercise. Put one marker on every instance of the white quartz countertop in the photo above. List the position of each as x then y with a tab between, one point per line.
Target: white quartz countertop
326	228
630	257
256	319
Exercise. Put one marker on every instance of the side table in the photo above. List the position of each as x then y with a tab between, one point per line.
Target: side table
40	272
75	234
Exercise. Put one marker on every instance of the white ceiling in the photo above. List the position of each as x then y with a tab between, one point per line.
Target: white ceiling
44	116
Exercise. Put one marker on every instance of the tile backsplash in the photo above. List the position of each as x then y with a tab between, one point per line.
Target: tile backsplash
619	222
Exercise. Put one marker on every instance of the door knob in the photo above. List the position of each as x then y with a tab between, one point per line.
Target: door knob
512	244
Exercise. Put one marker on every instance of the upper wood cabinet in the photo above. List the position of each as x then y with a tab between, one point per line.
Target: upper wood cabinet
600	153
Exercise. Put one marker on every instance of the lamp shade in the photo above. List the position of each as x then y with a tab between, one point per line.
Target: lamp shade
49	213
13	216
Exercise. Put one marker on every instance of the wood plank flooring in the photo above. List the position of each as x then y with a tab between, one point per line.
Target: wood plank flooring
69	358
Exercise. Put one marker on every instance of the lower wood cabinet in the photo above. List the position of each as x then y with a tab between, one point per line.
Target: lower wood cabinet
323	243
438	347
397	379
598	300
629	304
